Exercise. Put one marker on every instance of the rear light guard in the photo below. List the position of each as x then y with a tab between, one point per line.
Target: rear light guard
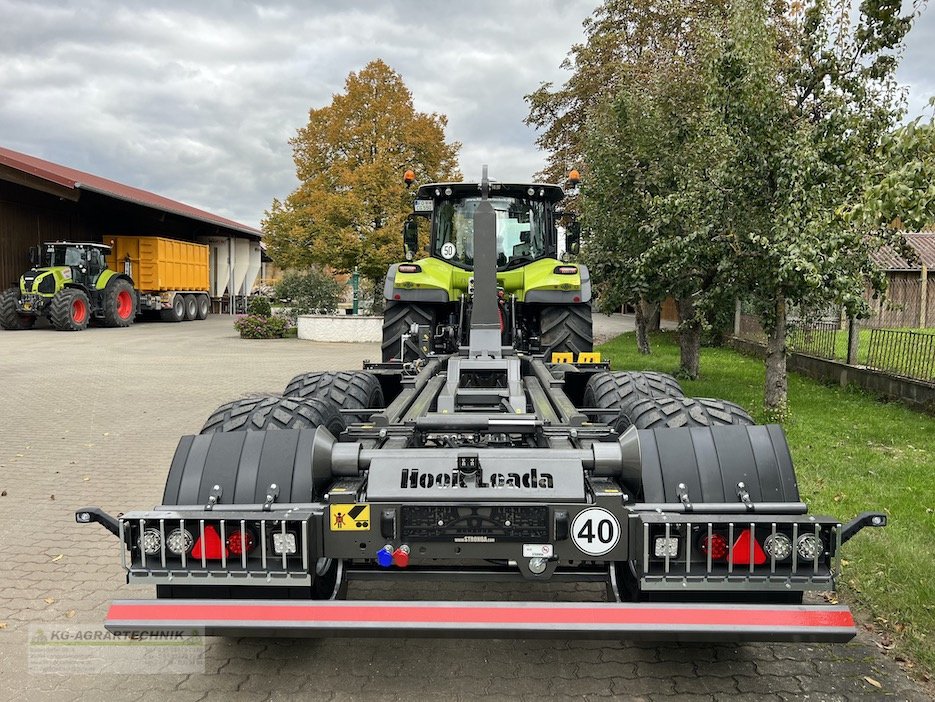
682	551
234	548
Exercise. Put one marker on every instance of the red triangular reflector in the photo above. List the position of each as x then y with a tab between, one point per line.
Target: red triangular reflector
213	548
740	553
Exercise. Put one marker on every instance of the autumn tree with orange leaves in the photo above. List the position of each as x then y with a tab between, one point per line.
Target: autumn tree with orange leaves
350	158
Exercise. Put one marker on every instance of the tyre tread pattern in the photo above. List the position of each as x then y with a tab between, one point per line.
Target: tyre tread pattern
621	390
60	310
673	412
397	318
346	389
111	292
273	412
10	319
566	329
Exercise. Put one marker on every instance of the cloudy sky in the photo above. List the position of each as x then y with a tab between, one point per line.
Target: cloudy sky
196	101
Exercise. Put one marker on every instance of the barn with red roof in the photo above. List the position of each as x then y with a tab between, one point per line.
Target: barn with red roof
43	201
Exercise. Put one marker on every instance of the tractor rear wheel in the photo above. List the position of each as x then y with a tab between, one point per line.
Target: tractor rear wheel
191	308
9	317
264	413
346	389
620	391
566	329
70	310
398	318
673	412
176	313
204	306
119	306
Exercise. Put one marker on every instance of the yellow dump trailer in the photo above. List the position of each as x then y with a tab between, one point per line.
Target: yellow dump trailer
170	276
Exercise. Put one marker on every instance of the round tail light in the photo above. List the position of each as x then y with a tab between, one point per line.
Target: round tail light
779	546
180	541
151	541
716	545
241	542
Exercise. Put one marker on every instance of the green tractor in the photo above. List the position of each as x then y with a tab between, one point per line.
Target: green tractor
544	304
69	283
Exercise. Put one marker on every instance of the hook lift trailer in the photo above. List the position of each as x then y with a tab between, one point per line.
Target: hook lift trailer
493	464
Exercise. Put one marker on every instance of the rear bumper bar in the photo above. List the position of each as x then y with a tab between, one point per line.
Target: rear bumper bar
671	622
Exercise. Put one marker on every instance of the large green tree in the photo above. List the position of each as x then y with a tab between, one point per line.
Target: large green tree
804	106
350	158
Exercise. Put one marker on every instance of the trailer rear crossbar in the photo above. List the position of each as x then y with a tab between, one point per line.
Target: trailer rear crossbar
587	620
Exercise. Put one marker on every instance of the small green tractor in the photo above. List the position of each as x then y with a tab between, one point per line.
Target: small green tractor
544	304
69	283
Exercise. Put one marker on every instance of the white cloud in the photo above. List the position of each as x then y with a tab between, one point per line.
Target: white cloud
197	101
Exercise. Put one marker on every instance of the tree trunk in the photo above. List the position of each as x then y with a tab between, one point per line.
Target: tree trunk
689	338
654	314
642	330
776	393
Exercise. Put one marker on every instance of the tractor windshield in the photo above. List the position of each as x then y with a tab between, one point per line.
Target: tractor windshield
63	256
521	230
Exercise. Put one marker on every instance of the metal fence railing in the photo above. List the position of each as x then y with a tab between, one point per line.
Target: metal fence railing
902	352
815	338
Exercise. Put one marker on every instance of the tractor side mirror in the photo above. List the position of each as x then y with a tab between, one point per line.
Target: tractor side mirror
410	239
33	255
573	238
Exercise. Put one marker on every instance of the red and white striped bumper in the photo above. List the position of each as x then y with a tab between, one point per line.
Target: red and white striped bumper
673	622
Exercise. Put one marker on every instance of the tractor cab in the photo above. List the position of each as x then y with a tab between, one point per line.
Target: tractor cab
81	263
527	222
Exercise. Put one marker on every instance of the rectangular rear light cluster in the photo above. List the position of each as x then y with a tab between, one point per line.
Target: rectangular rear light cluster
206	542
679	548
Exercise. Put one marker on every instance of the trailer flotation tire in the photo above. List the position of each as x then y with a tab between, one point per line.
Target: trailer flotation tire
119	303
566	329
620	391
674	412
204	306
9	318
398	318
346	389
176	313
70	310
272	412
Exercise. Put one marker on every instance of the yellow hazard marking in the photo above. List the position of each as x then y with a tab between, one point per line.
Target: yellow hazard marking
350	517
589	357
563	357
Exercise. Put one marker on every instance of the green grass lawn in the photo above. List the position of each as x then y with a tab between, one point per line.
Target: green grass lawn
852	453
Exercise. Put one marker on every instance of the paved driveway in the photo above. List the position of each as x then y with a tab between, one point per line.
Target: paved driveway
94	418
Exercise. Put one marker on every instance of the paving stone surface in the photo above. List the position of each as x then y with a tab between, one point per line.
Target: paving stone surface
94	418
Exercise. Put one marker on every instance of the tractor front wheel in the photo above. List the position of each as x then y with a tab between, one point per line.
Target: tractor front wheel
119	304
9	317
70	310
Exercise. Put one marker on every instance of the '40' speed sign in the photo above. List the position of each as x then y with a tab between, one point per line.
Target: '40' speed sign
595	531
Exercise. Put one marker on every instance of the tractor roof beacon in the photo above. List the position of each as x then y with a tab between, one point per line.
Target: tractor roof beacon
490	461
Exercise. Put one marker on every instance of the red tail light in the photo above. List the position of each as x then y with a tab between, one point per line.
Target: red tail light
565	270
715	544
241	542
409	268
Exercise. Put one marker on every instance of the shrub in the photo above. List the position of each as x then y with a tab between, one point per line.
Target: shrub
309	292
259	306
255	326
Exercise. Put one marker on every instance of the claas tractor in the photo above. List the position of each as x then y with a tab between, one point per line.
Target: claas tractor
483	457
69	284
543	303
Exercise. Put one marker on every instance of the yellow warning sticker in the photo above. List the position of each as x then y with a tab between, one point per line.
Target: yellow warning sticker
350	517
